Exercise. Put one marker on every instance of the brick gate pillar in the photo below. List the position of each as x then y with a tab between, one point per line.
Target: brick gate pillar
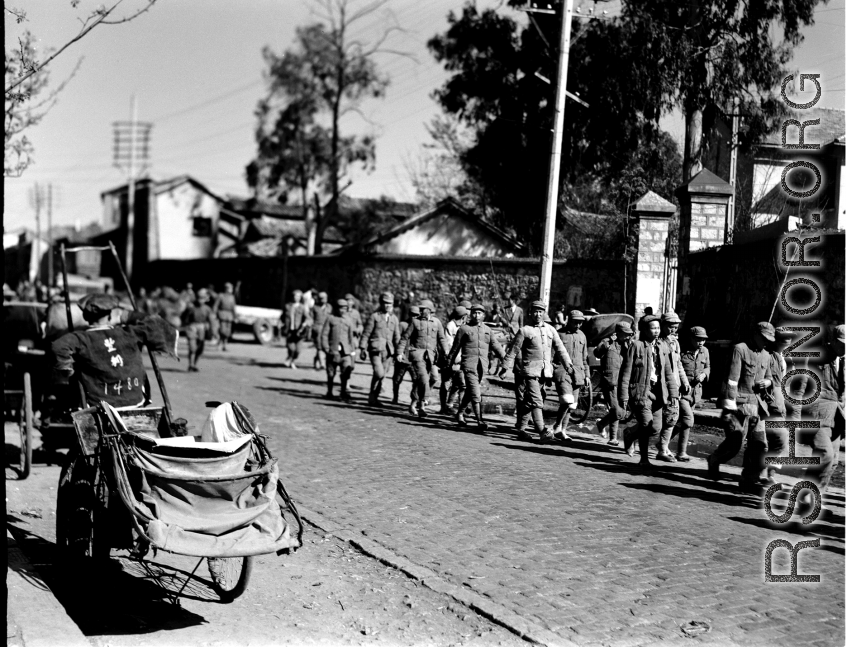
652	217
703	204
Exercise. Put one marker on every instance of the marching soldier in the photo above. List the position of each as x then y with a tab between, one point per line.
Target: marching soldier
568	383
452	377
379	340
670	416
695	363
197	318
338	343
744	408
473	341
224	310
318	313
355	316
532	354
610	352
401	364
424	336
646	380
295	323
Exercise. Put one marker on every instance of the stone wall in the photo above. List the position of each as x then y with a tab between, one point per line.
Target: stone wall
652	237
444	280
708	222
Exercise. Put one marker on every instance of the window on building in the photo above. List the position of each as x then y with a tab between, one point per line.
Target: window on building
575	296
202	227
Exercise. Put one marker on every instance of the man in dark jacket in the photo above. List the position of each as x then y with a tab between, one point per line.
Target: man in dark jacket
647	383
474	341
670	322
695	363
568	383
424	336
379	341
610	352
338	343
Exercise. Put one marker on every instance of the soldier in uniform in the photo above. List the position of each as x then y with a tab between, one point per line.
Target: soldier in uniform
744	408
424	336
568	383
474	341
355	316
401	365
295	324
532	352
646	380
338	342
610	352
452	377
224	310
697	367
319	312
197	319
107	356
379	340
669	323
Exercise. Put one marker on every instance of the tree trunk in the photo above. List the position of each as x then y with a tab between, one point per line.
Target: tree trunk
692	162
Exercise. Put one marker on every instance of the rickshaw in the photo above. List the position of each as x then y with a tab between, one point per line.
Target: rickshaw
137	481
23	360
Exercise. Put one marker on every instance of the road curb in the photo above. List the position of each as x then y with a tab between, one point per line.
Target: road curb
479	604
32	609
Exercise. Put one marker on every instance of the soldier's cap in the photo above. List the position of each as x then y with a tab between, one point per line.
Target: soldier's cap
590	312
460	311
426	303
386	297
766	330
351	298
342	303
648	319
415	310
671	318
576	315
783	335
698	332
538	305
477	307
323	294
839	333
98	302
228	285
467	305
623	328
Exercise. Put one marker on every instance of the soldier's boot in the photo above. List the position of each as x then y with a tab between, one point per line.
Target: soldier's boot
520	427
329	394
190	361
345	394
561	429
443	397
613	435
481	426
682	446
546	436
662	446
629	439
395	395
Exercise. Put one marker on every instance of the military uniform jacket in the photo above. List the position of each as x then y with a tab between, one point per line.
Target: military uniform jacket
356	317
577	347
474	343
382	333
536	346
337	336
831	399
675	356
225	307
746	367
695	362
319	312
634	380
423	337
610	352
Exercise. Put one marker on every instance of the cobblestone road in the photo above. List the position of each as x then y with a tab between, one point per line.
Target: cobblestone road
570	538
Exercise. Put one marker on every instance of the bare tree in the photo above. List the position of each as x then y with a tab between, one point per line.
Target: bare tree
27	80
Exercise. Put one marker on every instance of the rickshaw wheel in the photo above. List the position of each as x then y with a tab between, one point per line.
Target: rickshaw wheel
25	428
78	507
229	575
583	403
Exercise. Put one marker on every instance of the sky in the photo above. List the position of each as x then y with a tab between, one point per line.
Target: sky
195	68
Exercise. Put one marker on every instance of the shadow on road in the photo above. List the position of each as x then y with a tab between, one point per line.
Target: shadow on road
832	536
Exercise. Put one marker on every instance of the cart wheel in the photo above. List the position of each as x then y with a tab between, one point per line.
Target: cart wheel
77	509
263	331
229	575
583	403
25	428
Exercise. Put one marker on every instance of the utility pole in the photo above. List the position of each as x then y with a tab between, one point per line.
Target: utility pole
729	227
36	199
556	155
131	152
50	235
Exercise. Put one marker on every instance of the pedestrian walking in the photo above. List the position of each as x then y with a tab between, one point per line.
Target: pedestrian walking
452	377
295	324
610	352
646	383
569	382
379	340
224	309
669	324
355	316
474	341
197	319
188	295
533	353
744	409
318	314
402	364
424	336
697	367
338	342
